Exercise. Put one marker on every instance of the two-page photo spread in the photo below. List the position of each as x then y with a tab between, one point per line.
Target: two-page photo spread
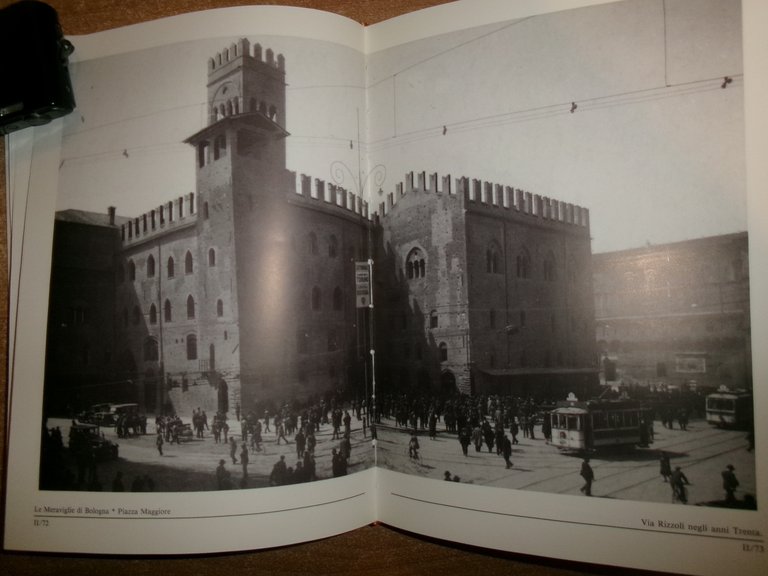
487	278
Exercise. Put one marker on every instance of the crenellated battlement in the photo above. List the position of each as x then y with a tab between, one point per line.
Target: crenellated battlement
166	217
331	195
242	49
481	195
246	79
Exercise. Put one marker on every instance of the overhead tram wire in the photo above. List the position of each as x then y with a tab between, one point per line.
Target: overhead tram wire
549	111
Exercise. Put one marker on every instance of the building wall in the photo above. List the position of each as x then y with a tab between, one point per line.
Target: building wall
506	293
676	314
80	360
423	316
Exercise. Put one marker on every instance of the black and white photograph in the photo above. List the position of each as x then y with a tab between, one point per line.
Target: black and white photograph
565	263
203	330
512	256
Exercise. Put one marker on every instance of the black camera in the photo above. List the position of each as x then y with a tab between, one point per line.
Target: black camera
34	76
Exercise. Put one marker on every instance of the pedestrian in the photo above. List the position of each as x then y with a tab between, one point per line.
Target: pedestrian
159	443
665	468
730	483
679	481
464	439
413	447
506	450
222	476
447	476
244	464
589	476
233	449
546	427
280	430
477	438
514	429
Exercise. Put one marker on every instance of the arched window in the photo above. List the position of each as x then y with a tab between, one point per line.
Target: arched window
415	266
191	347
433	319
167	316
151	266
523	264
190	307
493	259
211	257
131	270
443	348
316	298
333	246
189	266
150	350
338	299
549	268
206	213
153	314
313	243
170	267
219	308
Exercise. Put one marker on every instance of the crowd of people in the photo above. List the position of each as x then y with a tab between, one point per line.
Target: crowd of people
494	423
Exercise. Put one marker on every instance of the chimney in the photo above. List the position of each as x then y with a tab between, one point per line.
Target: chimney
111	211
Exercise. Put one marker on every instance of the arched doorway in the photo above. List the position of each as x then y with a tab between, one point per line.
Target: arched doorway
448	382
223	396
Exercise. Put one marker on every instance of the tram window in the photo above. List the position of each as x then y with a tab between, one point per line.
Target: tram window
631	419
573	423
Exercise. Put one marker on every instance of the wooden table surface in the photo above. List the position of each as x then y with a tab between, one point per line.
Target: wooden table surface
371	550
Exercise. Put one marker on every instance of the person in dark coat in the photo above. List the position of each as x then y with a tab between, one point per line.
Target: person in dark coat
665	468
506	450
730	483
464	439
589	476
679	481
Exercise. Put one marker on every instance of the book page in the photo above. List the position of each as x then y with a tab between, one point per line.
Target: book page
574	279
174	389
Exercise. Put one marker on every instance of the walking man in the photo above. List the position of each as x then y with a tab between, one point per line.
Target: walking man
233	449
730	483
506	450
589	476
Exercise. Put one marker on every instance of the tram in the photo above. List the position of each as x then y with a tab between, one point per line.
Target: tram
586	426
729	409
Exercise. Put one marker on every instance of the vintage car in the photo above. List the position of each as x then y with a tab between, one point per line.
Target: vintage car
184	432
85	437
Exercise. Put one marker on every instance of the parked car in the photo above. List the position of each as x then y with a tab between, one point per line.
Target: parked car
84	437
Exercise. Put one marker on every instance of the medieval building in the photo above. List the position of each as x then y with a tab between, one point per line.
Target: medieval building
244	291
675	316
487	289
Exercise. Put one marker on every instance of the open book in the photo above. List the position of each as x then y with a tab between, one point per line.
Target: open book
491	272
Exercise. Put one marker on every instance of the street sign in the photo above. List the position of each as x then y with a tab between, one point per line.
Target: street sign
362	284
